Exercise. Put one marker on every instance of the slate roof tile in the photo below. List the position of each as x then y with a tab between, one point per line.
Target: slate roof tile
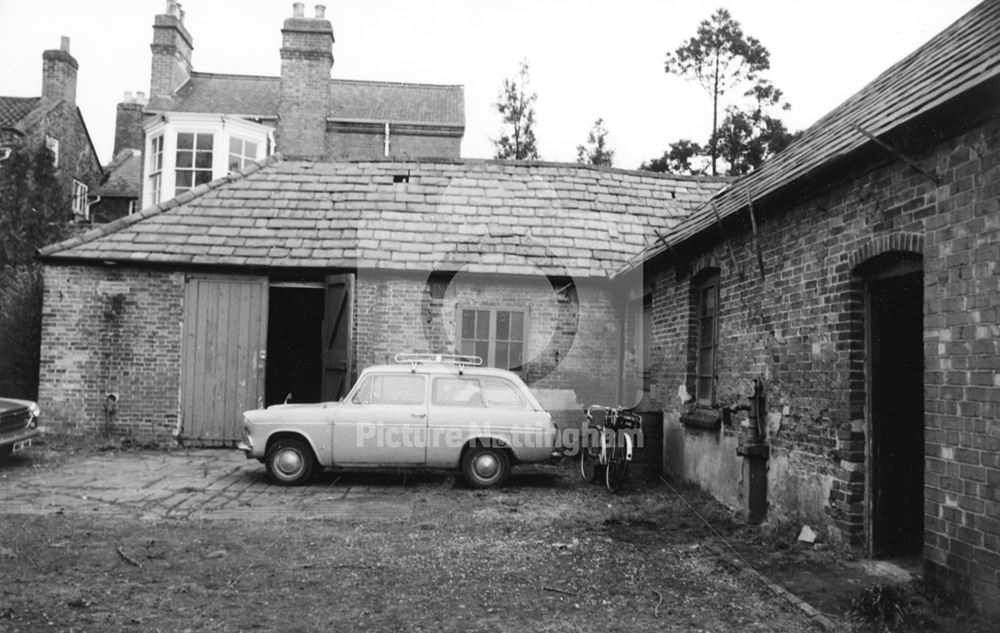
350	100
14	109
285	217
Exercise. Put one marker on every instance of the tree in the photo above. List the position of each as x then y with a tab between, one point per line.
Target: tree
33	213
596	151
516	104
720	57
747	137
679	159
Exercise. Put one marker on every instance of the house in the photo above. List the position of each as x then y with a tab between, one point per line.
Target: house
825	332
197	126
55	121
119	192
287	278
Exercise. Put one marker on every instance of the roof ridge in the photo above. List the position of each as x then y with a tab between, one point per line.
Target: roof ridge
382	82
207	75
186	197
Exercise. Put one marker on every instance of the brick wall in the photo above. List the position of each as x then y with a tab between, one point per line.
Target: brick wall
306	61
802	329
573	338
343	144
111	330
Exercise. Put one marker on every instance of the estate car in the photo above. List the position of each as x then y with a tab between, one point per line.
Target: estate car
425	411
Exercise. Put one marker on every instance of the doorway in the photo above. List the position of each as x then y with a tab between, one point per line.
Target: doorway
294	344
894	294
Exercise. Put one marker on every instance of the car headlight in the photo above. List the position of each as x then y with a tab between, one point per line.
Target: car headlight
36	412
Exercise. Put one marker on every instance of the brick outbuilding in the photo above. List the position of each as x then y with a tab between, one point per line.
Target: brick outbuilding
825	330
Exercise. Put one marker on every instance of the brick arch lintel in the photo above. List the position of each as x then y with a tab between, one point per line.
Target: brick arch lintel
874	246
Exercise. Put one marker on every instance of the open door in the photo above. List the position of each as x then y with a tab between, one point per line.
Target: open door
338	345
896	400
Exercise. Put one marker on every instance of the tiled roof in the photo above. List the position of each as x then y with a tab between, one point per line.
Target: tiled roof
473	215
350	100
123	175
13	109
958	59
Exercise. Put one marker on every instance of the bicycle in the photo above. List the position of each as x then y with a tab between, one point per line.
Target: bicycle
613	451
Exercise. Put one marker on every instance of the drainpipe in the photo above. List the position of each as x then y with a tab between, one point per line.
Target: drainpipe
386	150
755	450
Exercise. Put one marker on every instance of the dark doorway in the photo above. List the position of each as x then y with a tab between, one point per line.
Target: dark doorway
896	379
294	344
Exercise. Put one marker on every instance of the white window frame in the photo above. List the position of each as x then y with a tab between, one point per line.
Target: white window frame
155	154
81	205
491	340
52	143
243	157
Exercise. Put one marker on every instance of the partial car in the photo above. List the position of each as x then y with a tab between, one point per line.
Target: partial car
18	424
426	411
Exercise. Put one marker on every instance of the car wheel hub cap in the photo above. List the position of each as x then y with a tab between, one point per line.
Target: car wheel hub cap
486	466
289	462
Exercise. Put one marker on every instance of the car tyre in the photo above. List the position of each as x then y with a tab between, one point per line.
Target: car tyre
290	462
485	466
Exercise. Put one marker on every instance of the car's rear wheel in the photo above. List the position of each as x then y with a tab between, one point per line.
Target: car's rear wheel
485	467
290	462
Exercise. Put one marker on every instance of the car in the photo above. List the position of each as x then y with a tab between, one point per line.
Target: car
18	424
432	411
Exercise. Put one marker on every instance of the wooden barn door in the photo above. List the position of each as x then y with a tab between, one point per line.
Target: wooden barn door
223	356
338	344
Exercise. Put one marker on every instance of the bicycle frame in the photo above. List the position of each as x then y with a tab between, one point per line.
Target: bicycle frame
604	444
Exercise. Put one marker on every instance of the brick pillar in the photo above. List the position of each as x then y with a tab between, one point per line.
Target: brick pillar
306	62
59	74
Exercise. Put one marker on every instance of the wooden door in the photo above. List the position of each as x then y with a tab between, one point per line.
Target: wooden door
338	343
223	356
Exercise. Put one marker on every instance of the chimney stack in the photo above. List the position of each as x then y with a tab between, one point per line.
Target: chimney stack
172	47
59	73
306	62
128	123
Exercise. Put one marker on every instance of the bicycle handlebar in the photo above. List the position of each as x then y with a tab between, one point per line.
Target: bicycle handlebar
619	417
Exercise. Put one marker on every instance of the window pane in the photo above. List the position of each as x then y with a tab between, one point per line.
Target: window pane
205	141
500	393
185	179
250	150
364	393
185	140
707	334
467	347
706	362
516	355
234	163
468	324
503	325
517	326
203	160
463	392
483	324
235	145
399	390
502	358
483	351
185	160
704	387
201	177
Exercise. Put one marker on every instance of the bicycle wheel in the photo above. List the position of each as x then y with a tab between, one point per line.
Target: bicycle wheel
590	462
617	470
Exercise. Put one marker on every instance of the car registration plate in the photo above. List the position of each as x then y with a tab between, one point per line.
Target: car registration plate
20	446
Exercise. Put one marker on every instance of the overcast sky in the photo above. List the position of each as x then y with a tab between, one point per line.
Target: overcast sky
588	59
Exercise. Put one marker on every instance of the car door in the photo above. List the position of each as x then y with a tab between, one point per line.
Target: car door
383	423
456	413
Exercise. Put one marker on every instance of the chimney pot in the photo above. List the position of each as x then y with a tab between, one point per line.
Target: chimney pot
298	9
320	11
127	97
140	97
64	44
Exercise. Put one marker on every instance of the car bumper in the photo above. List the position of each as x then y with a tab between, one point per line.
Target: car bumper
17	440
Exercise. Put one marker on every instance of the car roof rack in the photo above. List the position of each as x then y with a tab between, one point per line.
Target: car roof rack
445	359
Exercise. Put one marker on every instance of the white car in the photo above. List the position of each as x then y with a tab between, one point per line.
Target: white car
426	411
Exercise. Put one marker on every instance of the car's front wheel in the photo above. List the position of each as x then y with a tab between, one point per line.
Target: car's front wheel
290	462
485	467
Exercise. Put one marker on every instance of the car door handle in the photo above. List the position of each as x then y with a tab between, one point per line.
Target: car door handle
418	415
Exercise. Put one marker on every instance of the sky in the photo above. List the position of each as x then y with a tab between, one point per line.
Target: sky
587	58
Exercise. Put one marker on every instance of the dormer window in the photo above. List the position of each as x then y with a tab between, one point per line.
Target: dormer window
194	161
241	153
185	150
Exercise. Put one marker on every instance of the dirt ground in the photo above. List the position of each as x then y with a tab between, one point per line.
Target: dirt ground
545	553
